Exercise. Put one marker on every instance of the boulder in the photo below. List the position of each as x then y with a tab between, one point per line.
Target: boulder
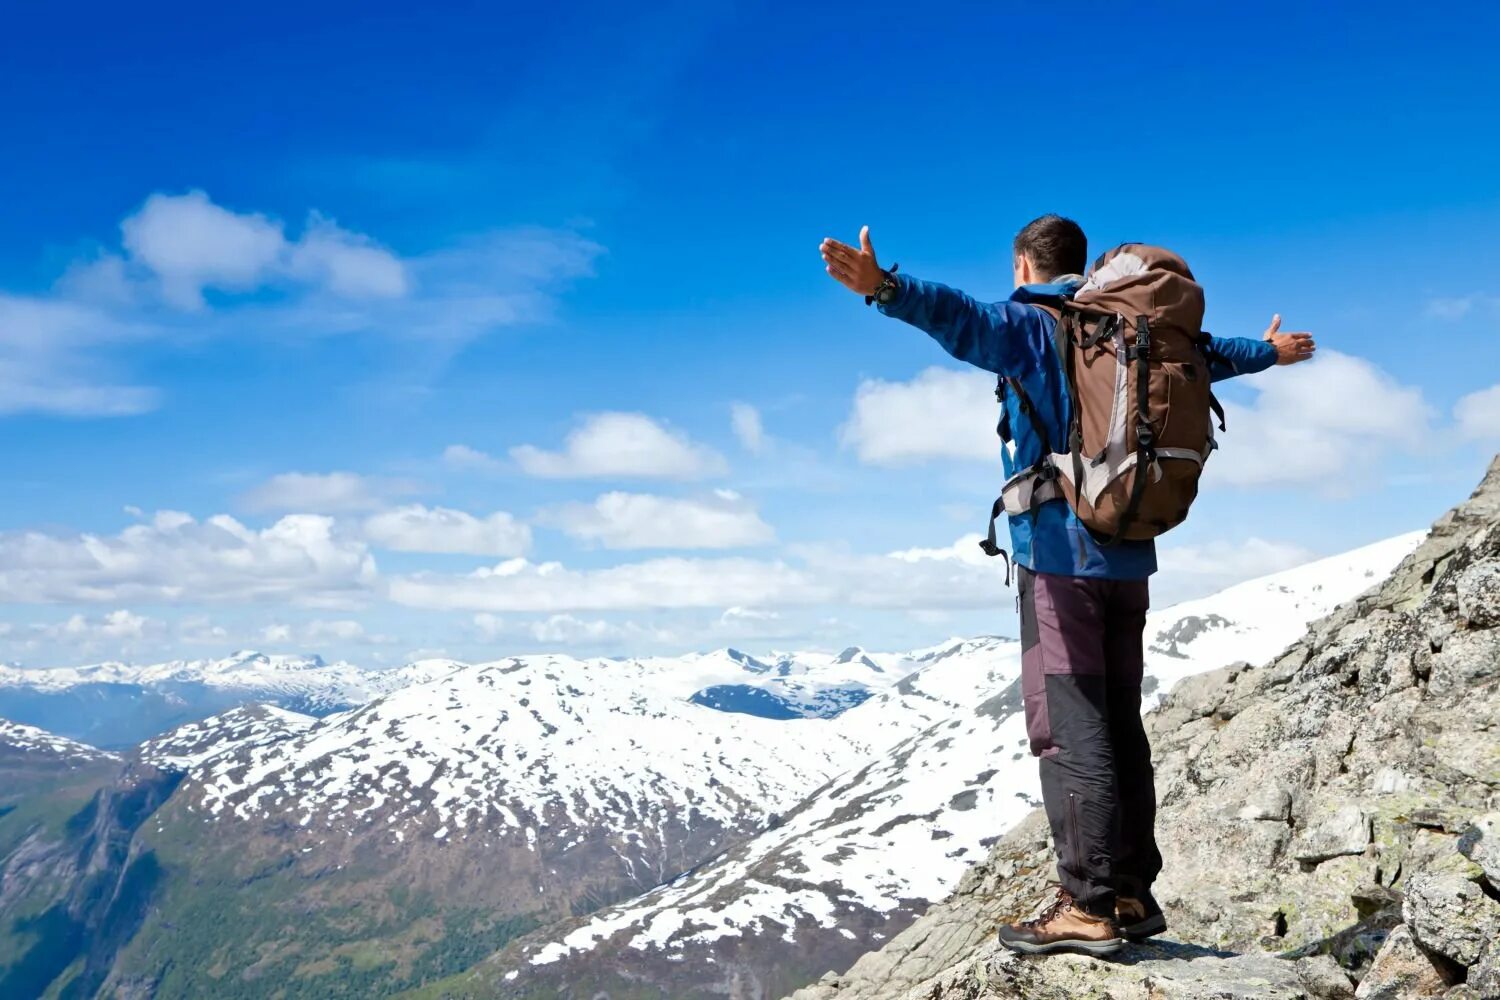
1402	971
1450	915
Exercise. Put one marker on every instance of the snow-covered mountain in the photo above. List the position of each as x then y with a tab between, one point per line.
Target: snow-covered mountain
863	855
29	742
118	705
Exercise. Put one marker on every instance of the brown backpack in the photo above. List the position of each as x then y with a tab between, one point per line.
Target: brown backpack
1135	356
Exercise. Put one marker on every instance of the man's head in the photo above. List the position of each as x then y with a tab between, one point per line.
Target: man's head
1048	248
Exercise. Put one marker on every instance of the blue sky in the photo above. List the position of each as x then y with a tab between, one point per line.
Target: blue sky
273	266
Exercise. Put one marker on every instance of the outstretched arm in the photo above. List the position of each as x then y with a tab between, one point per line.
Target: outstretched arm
1003	337
1243	356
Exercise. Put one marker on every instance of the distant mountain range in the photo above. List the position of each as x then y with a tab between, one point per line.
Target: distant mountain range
710	825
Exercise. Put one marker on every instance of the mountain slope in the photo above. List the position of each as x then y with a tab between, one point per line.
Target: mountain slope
860	858
1331	808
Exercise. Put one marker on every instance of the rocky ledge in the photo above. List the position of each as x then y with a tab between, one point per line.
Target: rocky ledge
1330	820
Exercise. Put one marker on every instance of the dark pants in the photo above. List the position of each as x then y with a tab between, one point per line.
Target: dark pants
1081	663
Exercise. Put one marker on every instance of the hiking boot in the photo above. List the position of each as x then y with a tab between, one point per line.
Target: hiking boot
1062	926
1139	917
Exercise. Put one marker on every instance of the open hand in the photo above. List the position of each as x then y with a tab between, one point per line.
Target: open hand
1290	347
854	269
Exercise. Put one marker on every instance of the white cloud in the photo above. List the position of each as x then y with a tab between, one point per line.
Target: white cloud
417	528
33	391
624	445
941	414
323	492
116	625
461	456
619	520
521	585
934	578
568	630
347	264
175	558
48	360
1477	415
746	422
1331	424
54	355
190	244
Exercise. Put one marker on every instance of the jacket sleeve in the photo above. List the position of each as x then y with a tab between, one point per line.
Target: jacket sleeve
1007	338
1239	356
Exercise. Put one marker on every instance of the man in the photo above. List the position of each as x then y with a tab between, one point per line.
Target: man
1083	605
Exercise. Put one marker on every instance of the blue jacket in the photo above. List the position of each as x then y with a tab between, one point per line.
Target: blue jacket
1014	338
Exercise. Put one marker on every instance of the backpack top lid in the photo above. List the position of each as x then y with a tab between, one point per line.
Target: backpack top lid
1137	279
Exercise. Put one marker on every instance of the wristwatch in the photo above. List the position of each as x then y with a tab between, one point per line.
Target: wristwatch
885	292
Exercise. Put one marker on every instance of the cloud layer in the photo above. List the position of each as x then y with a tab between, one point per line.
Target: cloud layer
621	445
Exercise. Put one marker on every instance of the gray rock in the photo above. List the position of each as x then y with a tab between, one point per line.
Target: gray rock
1480	843
1478	589
1402	971
1344	831
1484	978
1324	979
1450	915
1273	802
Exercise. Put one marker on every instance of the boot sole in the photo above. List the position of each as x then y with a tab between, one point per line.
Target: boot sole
1150	927
1108	947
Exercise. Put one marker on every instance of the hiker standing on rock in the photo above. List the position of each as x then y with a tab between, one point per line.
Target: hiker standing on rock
1107	420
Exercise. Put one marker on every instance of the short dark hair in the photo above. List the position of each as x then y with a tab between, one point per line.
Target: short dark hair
1054	245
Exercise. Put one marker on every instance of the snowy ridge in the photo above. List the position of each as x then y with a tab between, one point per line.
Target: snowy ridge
902	829
21	739
200	744
322	684
551	740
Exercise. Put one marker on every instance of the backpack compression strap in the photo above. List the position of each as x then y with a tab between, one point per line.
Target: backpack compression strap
1145	437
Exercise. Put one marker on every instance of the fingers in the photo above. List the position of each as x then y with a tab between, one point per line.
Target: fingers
843	252
843	277
864	241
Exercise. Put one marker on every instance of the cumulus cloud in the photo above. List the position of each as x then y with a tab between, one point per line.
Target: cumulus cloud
940	414
746	423
1477	415
176	558
617	520
417	528
190	244
1331	424
325	492
630	445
